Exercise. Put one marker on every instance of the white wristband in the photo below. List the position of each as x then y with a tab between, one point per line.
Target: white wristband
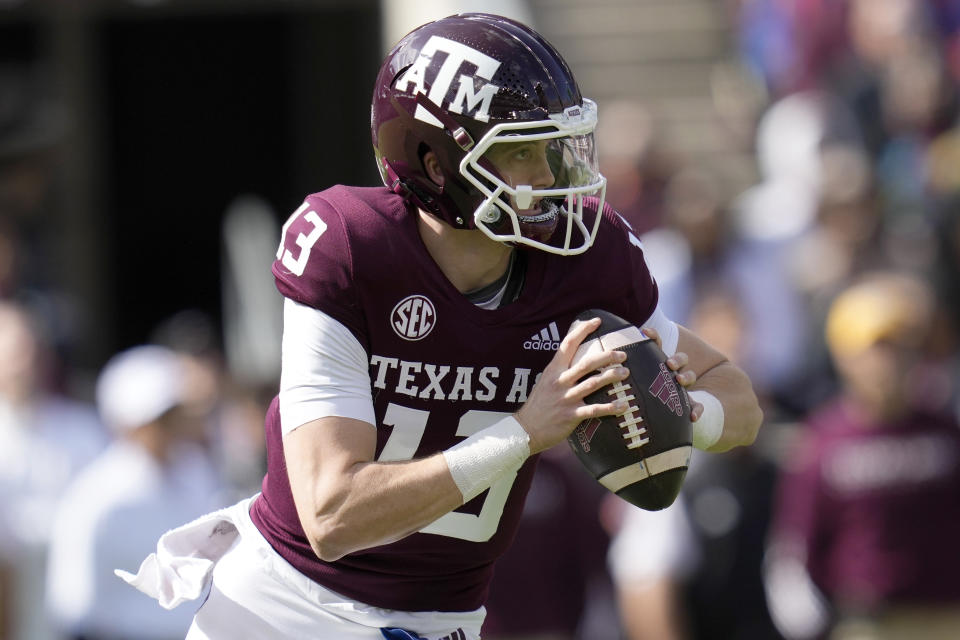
708	429
478	461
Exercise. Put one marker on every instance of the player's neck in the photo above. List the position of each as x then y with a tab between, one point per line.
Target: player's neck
468	258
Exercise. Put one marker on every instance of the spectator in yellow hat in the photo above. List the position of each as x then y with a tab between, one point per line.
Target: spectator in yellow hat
867	515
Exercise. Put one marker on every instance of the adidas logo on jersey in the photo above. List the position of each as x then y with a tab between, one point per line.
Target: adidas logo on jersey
548	339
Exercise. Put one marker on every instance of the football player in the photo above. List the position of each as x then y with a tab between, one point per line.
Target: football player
427	348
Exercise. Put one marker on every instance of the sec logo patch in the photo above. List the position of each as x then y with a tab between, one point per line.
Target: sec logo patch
413	318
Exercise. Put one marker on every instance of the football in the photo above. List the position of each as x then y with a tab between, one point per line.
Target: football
643	454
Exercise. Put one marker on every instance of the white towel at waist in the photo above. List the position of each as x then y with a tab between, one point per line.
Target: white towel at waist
182	567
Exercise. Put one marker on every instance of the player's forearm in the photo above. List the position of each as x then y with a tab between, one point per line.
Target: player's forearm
347	502
741	413
376	503
737	413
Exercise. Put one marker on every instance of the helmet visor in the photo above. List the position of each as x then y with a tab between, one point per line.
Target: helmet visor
548	164
574	161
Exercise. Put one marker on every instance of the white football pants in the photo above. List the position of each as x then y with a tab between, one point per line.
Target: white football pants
254	594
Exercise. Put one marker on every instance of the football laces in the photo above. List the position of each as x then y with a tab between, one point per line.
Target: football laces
630	427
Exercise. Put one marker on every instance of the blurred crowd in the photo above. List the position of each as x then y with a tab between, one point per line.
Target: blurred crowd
95	466
88	487
832	279
97	462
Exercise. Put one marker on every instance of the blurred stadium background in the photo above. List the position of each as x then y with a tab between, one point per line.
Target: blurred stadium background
771	151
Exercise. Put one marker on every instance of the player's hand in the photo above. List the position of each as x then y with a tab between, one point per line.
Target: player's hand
556	405
685	376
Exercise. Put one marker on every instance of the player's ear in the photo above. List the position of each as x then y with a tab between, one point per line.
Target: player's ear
432	166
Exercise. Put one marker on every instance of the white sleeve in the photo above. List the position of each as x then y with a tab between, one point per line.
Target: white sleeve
652	545
798	609
667	328
324	370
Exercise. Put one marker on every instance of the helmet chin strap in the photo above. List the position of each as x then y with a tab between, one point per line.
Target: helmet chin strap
460	135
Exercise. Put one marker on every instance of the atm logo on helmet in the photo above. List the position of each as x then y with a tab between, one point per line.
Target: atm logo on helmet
469	96
413	318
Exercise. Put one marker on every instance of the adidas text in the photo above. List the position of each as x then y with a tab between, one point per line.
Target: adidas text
547	339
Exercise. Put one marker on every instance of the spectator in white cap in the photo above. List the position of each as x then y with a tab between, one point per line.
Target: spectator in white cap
153	477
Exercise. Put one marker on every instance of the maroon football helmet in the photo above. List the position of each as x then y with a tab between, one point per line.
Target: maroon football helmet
461	85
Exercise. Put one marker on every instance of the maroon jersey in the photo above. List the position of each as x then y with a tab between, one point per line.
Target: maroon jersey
876	508
440	369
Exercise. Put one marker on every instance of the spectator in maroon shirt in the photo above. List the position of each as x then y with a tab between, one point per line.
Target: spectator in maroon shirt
867	517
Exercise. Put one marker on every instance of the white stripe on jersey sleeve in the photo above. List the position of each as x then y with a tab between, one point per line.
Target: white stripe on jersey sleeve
324	370
667	328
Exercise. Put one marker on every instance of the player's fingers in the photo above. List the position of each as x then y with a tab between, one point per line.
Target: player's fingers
599	410
696	410
687	377
678	360
579	330
654	335
592	383
590	363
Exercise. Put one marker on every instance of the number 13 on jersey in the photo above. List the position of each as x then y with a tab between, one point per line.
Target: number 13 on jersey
408	427
297	263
